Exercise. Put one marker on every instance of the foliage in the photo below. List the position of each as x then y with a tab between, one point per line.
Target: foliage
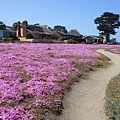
7	39
34	77
29	36
4	38
71	41
42	41
25	22
35	32
47	41
37	24
63	38
2	25
14	26
55	35
74	77
107	23
14	37
112	105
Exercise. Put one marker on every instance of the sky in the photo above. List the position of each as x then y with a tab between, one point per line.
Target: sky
73	14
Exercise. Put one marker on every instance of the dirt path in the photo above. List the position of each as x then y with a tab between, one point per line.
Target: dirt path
86	99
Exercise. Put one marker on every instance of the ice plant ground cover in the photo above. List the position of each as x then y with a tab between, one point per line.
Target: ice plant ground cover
112	104
34	77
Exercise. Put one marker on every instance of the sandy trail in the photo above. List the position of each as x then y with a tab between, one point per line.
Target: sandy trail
86	99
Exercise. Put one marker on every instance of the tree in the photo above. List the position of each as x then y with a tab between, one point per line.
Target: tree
55	35
37	24
25	23
107	23
29	36
14	26
2	25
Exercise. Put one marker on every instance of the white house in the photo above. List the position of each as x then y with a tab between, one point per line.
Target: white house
93	39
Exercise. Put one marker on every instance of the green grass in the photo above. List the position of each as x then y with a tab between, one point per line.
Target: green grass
112	104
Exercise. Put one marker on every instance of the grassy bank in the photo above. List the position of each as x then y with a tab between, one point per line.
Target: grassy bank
35	77
112	104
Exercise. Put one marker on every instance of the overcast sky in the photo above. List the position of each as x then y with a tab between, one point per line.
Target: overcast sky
73	14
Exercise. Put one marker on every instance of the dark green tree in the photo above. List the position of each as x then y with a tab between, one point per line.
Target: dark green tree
2	25
14	26
55	35
29	36
107	23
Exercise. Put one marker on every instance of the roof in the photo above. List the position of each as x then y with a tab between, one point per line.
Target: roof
92	36
46	29
30	25
8	29
37	31
63	33
3	29
74	33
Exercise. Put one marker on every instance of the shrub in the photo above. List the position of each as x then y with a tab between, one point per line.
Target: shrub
13	36
16	40
55	35
7	39
112	104
42	41
63	38
71	41
29	36
82	42
74	77
10	39
4	38
47	41
36	41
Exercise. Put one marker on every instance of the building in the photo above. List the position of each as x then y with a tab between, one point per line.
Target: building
93	39
74	34
6	31
38	31
65	35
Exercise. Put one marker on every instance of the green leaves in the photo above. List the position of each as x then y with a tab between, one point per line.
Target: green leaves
107	23
112	105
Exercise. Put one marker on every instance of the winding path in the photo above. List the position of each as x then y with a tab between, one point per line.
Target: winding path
86	99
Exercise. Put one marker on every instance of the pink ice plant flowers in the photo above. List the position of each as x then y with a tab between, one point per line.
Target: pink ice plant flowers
34	70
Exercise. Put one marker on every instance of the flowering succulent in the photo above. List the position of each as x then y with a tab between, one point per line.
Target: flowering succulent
34	73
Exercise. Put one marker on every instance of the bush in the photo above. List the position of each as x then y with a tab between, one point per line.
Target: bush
13	36
36	41
74	77
47	41
112	104
7	39
29	36
3	39
63	38
71	41
16	41
10	39
42	41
